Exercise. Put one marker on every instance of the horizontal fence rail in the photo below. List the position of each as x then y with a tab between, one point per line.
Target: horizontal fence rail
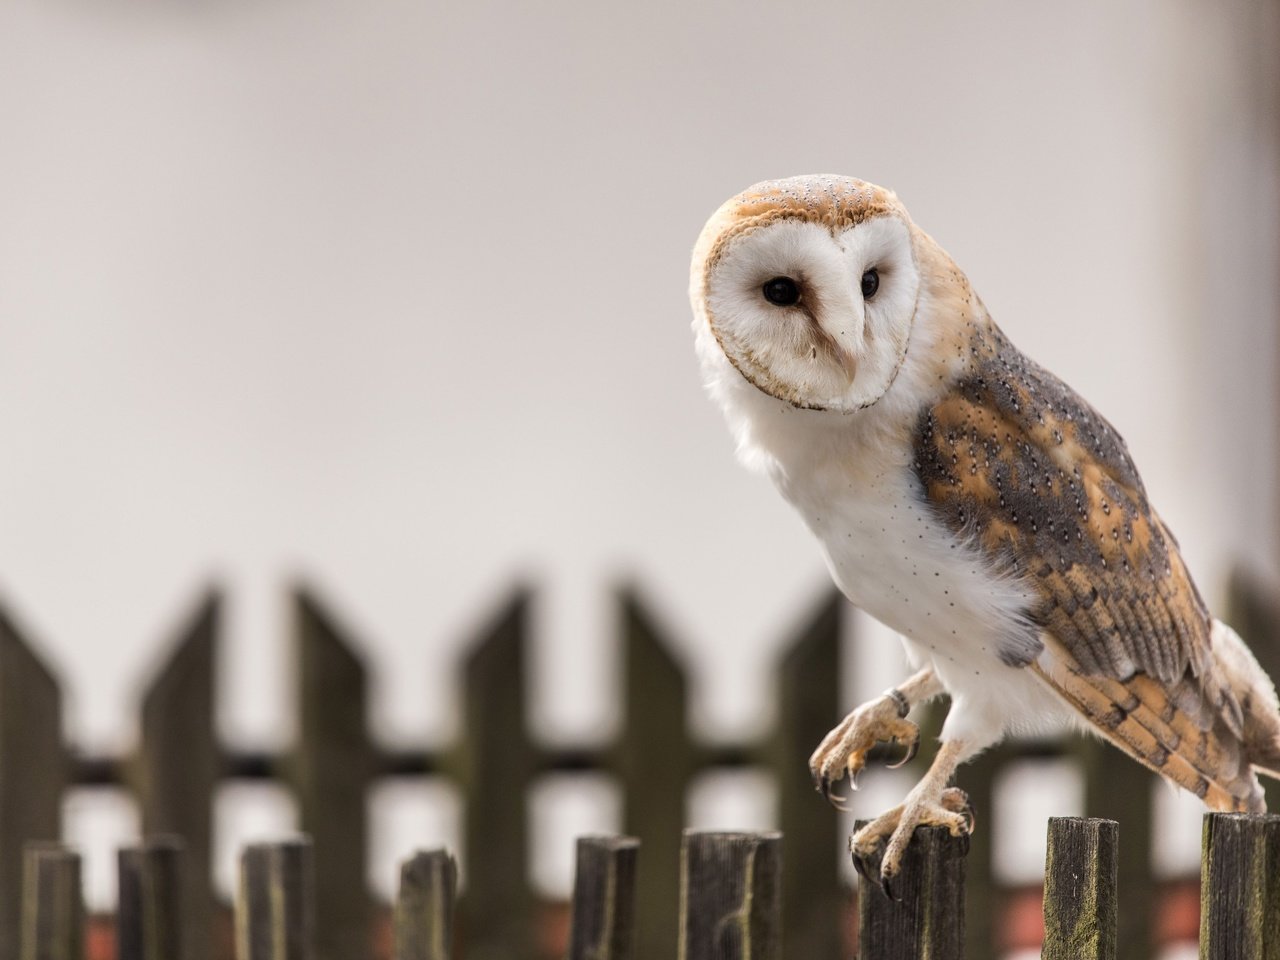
728	893
179	765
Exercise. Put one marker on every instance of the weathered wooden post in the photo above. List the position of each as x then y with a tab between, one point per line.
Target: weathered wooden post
928	920
813	897
1117	788
498	763
176	769
33	770
1080	901
52	904
332	765
1240	887
149	915
604	899
275	903
655	760
423	919
731	896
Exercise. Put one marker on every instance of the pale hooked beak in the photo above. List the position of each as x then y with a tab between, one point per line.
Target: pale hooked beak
834	349
848	362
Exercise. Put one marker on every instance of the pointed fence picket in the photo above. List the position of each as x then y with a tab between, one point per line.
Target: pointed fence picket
179	765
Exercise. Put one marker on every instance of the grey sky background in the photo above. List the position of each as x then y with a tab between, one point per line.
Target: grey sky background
391	297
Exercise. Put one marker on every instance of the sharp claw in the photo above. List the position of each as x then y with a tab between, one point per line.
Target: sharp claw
861	868
912	747
886	884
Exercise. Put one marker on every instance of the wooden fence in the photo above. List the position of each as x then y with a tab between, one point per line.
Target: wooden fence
729	896
329	769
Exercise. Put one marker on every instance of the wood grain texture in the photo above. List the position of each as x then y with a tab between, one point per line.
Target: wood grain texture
425	902
1080	901
275	902
604	899
928	920
1240	887
730	896
52	904
150	924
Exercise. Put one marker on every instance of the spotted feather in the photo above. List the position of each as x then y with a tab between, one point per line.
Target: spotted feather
1015	460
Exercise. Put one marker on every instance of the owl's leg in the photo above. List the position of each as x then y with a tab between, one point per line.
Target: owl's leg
844	750
930	802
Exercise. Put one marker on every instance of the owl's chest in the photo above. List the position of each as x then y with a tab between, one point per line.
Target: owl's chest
891	557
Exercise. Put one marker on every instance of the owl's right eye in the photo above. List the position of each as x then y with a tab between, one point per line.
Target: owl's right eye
782	291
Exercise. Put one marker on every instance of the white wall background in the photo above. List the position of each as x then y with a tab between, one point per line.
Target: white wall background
391	296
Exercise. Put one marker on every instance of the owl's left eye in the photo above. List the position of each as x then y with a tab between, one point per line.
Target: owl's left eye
870	283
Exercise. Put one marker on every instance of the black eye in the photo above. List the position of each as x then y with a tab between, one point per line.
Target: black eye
782	291
870	283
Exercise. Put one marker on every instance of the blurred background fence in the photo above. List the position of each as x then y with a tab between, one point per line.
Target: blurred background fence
333	764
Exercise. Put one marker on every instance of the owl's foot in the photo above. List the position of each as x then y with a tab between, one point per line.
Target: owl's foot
878	847
844	750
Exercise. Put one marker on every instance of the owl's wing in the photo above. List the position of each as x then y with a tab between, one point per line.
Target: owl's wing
1012	459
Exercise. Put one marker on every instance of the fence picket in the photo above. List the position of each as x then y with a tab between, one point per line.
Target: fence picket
179	766
176	769
1117	788
499	761
604	892
275	903
655	761
33	769
1080	895
423	919
332	765
52	903
813	897
149	915
929	919
1240	887
730	896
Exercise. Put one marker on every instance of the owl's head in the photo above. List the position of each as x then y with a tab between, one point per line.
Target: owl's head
809	287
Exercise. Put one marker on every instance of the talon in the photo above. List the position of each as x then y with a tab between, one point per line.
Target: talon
957	801
886	884
861	868
912	748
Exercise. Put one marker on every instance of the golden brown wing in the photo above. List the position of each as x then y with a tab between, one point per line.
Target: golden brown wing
1014	459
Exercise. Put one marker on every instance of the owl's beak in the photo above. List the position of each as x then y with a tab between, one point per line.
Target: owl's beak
830	344
848	362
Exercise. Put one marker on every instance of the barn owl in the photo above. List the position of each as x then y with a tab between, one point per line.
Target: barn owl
966	498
